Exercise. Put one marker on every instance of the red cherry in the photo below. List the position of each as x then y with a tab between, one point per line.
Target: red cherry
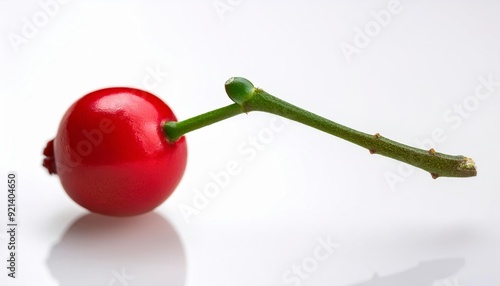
111	153
113	158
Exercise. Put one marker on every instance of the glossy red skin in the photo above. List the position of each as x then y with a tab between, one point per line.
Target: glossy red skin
111	154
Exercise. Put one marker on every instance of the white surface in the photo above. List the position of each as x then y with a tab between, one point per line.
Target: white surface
304	186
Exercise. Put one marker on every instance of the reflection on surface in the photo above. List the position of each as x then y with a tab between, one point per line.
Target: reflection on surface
424	274
100	250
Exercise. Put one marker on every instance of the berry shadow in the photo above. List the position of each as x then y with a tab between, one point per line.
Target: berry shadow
101	250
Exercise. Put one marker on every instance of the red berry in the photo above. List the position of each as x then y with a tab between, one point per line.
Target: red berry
111	154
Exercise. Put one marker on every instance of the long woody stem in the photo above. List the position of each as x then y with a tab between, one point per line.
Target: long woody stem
247	98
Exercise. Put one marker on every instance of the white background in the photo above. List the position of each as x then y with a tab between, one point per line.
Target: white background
408	81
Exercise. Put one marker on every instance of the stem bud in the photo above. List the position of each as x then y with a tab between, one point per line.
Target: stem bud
239	89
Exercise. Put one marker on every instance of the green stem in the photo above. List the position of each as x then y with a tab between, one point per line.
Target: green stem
248	98
175	130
